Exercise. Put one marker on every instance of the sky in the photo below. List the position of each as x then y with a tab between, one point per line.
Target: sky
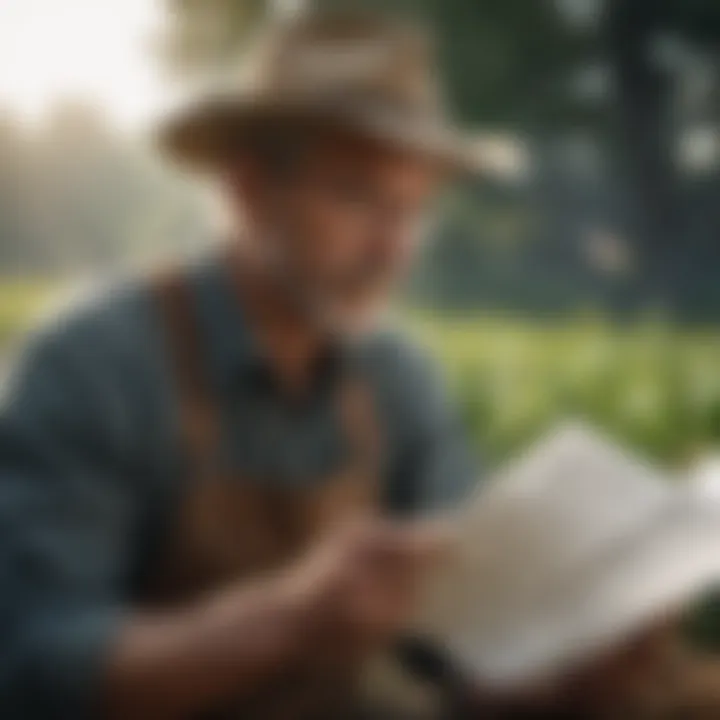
93	50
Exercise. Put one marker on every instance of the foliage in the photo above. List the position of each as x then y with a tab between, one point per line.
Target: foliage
20	302
650	385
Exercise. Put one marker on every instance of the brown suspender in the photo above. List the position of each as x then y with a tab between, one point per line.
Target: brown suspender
197	417
229	526
199	422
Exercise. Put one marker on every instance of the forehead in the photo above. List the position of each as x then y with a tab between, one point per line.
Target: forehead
345	151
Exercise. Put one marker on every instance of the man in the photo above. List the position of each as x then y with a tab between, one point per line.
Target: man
196	472
202	477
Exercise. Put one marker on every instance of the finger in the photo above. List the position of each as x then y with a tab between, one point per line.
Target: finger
425	541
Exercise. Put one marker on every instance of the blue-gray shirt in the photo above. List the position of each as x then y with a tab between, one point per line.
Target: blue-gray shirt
91	467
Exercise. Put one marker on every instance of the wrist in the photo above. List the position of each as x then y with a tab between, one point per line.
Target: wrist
296	610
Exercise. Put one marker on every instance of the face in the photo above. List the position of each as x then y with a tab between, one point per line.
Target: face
339	229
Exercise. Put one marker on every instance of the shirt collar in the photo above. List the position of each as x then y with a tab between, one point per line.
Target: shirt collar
230	347
231	350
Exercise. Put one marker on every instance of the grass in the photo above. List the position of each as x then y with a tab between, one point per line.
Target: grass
651	385
20	302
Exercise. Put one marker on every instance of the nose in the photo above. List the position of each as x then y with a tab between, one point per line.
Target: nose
392	238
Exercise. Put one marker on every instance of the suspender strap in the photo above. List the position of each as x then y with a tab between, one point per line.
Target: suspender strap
198	419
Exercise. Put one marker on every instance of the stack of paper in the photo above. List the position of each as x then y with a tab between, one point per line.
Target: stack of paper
573	547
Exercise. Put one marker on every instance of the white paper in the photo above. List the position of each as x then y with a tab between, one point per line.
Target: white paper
572	547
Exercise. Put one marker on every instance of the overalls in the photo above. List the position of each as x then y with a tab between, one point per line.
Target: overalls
230	527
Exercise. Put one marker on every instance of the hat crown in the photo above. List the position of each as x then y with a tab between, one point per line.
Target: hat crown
367	73
346	55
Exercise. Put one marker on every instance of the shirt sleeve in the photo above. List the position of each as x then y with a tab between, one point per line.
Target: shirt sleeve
444	469
66	519
436	466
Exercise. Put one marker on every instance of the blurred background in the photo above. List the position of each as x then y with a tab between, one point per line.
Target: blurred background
580	276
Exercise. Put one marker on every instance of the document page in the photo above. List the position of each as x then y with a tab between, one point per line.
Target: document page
570	548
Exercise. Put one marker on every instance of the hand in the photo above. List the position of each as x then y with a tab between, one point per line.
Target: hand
637	678
638	675
360	584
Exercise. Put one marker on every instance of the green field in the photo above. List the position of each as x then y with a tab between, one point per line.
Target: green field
652	385
20	302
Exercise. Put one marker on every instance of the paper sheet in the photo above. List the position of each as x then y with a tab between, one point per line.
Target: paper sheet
570	548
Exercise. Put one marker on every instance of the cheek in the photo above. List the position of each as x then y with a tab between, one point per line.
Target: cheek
334	237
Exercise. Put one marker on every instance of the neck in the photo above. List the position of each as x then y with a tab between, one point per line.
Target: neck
288	339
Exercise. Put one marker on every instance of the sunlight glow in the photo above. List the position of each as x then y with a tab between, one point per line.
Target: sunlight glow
95	51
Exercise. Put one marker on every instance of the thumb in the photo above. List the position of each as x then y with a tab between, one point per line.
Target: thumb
430	540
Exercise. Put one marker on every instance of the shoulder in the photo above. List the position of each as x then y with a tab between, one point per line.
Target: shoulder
410	380
107	330
95	321
94	360
431	464
396	350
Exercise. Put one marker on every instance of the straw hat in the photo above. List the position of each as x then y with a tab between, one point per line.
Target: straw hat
363	72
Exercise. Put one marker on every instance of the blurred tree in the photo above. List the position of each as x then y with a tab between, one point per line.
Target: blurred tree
641	36
76	196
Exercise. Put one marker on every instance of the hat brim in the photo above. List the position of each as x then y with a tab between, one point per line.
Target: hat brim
206	135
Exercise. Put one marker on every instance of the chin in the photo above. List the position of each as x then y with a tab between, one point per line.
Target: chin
363	324
355	321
